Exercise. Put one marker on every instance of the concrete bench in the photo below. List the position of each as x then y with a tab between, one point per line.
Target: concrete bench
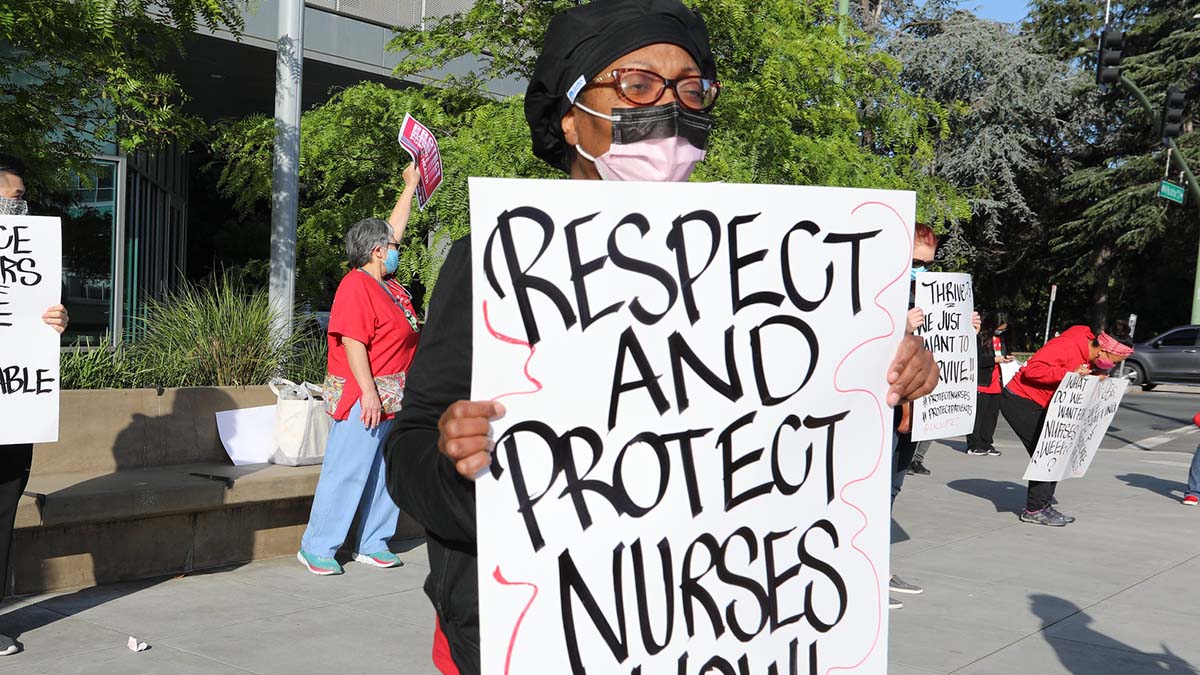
138	486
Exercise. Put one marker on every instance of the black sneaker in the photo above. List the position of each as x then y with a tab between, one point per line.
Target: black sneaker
8	646
1046	516
1060	514
977	452
898	585
993	452
919	468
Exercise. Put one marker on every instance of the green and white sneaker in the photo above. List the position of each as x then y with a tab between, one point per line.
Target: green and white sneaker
319	565
383	559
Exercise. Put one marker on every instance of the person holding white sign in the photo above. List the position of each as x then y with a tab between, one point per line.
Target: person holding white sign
621	91
1078	350
16	460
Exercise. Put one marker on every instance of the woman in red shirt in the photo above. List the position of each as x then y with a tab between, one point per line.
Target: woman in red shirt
373	332
993	350
1077	350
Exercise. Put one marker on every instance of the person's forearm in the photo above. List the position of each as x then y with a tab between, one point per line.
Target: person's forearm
401	212
360	365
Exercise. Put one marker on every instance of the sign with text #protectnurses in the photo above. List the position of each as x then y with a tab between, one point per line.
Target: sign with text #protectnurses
420	142
692	473
948	301
30	282
1076	421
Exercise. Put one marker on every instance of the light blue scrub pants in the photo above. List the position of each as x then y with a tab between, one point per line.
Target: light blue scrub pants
353	479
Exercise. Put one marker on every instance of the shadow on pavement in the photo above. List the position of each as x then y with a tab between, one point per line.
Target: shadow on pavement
1005	495
1171	489
1053	610
898	533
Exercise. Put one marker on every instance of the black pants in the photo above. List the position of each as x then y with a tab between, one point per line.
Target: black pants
1026	419
15	461
987	413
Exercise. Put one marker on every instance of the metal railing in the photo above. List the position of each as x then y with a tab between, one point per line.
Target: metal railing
393	13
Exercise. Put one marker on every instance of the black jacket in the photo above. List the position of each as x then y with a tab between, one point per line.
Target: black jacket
423	481
987	357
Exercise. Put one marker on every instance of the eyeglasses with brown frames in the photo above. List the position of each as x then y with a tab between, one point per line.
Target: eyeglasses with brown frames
643	87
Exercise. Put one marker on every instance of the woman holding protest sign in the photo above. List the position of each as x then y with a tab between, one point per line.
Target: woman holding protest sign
16	460
621	91
993	351
373	333
1024	402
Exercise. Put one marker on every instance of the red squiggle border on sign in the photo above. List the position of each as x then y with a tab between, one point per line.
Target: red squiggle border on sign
512	642
879	458
537	386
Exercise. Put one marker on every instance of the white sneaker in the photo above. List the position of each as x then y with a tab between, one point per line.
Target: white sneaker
8	646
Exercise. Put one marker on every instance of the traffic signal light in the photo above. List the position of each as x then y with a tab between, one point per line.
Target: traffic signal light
1108	61
1172	117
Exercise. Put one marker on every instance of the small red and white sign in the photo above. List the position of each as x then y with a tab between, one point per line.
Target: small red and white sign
419	141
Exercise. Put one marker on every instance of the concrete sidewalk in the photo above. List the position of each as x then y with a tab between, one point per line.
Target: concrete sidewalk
1114	594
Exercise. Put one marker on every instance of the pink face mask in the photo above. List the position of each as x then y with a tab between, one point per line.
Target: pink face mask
655	144
1102	363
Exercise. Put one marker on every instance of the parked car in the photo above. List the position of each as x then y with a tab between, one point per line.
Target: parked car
1173	357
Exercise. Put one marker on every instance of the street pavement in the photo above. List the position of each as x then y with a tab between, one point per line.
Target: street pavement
1113	594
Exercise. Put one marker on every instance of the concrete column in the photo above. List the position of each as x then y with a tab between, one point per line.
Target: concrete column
285	186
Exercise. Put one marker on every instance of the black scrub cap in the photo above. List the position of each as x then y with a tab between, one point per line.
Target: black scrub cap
582	40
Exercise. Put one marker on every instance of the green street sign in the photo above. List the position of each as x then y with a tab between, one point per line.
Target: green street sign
1171	191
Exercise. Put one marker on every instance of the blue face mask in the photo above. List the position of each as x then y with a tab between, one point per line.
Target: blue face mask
915	270
392	262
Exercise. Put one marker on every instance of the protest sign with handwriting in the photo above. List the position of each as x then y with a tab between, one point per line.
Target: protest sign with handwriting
948	301
30	282
1076	421
692	474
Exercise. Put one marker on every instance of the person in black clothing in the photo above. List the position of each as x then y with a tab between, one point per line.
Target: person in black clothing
16	460
993	351
439	441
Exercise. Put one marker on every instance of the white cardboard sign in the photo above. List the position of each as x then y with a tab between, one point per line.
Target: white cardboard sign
692	474
1076	421
30	282
948	301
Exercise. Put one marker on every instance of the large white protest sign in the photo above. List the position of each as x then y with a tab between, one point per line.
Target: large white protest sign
948	302
1076	421
30	282
692	473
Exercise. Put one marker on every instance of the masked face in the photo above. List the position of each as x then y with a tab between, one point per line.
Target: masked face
657	144
392	262
13	207
1103	363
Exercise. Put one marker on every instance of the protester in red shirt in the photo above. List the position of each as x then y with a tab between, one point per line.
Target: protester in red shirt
373	331
1078	350
993	351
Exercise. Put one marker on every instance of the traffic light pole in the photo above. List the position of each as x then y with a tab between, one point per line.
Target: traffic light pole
1181	162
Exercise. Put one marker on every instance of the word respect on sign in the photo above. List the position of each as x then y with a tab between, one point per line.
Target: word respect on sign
691	473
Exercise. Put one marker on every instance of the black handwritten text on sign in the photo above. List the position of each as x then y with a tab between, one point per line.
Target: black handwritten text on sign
1079	414
691	474
948	301
30	283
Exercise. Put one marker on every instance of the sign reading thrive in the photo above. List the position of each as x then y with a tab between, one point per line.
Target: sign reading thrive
1076	421
948	302
692	474
30	282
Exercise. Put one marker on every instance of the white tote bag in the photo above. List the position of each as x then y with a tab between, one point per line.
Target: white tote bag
301	424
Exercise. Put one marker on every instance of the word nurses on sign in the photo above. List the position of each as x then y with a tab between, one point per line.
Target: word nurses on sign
1076	421
30	282
692	472
948	302
419	141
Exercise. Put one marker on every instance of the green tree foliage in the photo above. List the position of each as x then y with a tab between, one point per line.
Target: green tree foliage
76	74
801	105
1116	246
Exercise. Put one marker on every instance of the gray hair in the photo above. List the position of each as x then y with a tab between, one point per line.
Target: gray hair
365	236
